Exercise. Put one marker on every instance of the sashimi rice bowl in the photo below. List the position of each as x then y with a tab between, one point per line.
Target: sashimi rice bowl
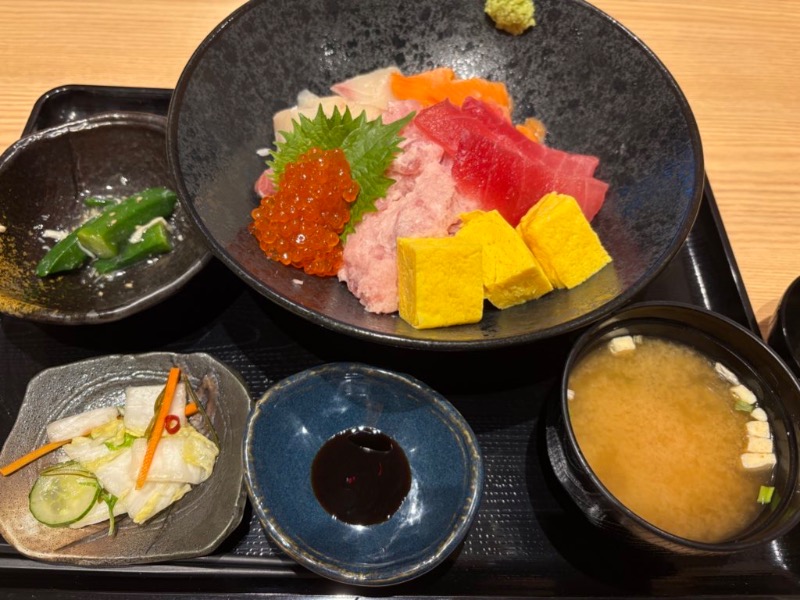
480	190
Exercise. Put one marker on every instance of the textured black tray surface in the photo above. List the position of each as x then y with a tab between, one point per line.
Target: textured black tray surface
528	538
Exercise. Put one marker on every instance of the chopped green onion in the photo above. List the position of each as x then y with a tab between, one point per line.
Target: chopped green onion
765	494
743	406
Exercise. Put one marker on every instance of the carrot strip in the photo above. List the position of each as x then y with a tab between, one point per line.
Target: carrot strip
436	85
13	467
30	457
158	428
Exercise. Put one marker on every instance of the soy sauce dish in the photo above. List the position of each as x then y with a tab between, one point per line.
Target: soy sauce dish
709	414
362	475
46	181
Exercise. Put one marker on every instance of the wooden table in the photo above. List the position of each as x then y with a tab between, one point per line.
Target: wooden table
738	62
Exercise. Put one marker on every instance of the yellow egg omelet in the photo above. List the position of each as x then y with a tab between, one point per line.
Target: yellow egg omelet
440	281
511	274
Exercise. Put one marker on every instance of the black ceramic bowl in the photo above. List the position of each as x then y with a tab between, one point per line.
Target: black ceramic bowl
757	367
784	335
44	178
598	89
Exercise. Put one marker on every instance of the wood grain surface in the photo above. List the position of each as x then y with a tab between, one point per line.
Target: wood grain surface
737	61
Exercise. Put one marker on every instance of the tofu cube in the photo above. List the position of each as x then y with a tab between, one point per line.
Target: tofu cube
754	460
440	281
759	445
511	275
623	343
759	414
562	240
758	429
726	373
743	394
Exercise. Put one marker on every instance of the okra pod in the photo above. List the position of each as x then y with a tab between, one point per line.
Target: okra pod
154	241
104	235
96	201
66	255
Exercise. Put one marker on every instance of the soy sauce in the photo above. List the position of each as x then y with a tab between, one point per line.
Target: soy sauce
361	476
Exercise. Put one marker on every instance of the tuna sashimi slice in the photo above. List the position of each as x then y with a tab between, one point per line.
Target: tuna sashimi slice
587	191
490	172
500	178
503	169
502	128
444	123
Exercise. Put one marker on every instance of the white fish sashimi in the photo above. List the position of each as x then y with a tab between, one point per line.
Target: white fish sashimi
282	120
140	407
80	424
370	89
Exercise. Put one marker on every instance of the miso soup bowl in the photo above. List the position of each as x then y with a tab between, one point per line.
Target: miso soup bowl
757	366
784	335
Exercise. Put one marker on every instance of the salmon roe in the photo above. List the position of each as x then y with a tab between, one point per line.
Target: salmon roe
299	225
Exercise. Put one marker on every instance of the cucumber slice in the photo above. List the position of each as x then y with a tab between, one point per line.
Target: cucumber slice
70	467
60	498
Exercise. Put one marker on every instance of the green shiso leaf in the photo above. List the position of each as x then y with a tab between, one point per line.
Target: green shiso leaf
368	146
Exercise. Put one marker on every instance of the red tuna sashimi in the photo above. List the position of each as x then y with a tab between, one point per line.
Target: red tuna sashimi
491	173
484	145
444	122
501	178
587	191
574	165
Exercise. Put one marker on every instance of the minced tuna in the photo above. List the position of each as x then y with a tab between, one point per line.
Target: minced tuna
423	202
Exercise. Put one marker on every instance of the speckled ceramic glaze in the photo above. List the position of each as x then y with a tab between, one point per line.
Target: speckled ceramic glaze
194	526
43	180
299	414
756	366
595	86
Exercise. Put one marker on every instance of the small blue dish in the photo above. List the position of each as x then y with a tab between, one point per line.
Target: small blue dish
293	420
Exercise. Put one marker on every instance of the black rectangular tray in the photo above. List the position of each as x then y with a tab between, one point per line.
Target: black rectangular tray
528	538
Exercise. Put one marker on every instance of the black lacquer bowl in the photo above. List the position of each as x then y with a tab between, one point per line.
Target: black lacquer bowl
756	366
784	334
598	89
44	178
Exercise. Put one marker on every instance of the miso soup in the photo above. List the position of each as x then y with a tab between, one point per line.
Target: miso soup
662	430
